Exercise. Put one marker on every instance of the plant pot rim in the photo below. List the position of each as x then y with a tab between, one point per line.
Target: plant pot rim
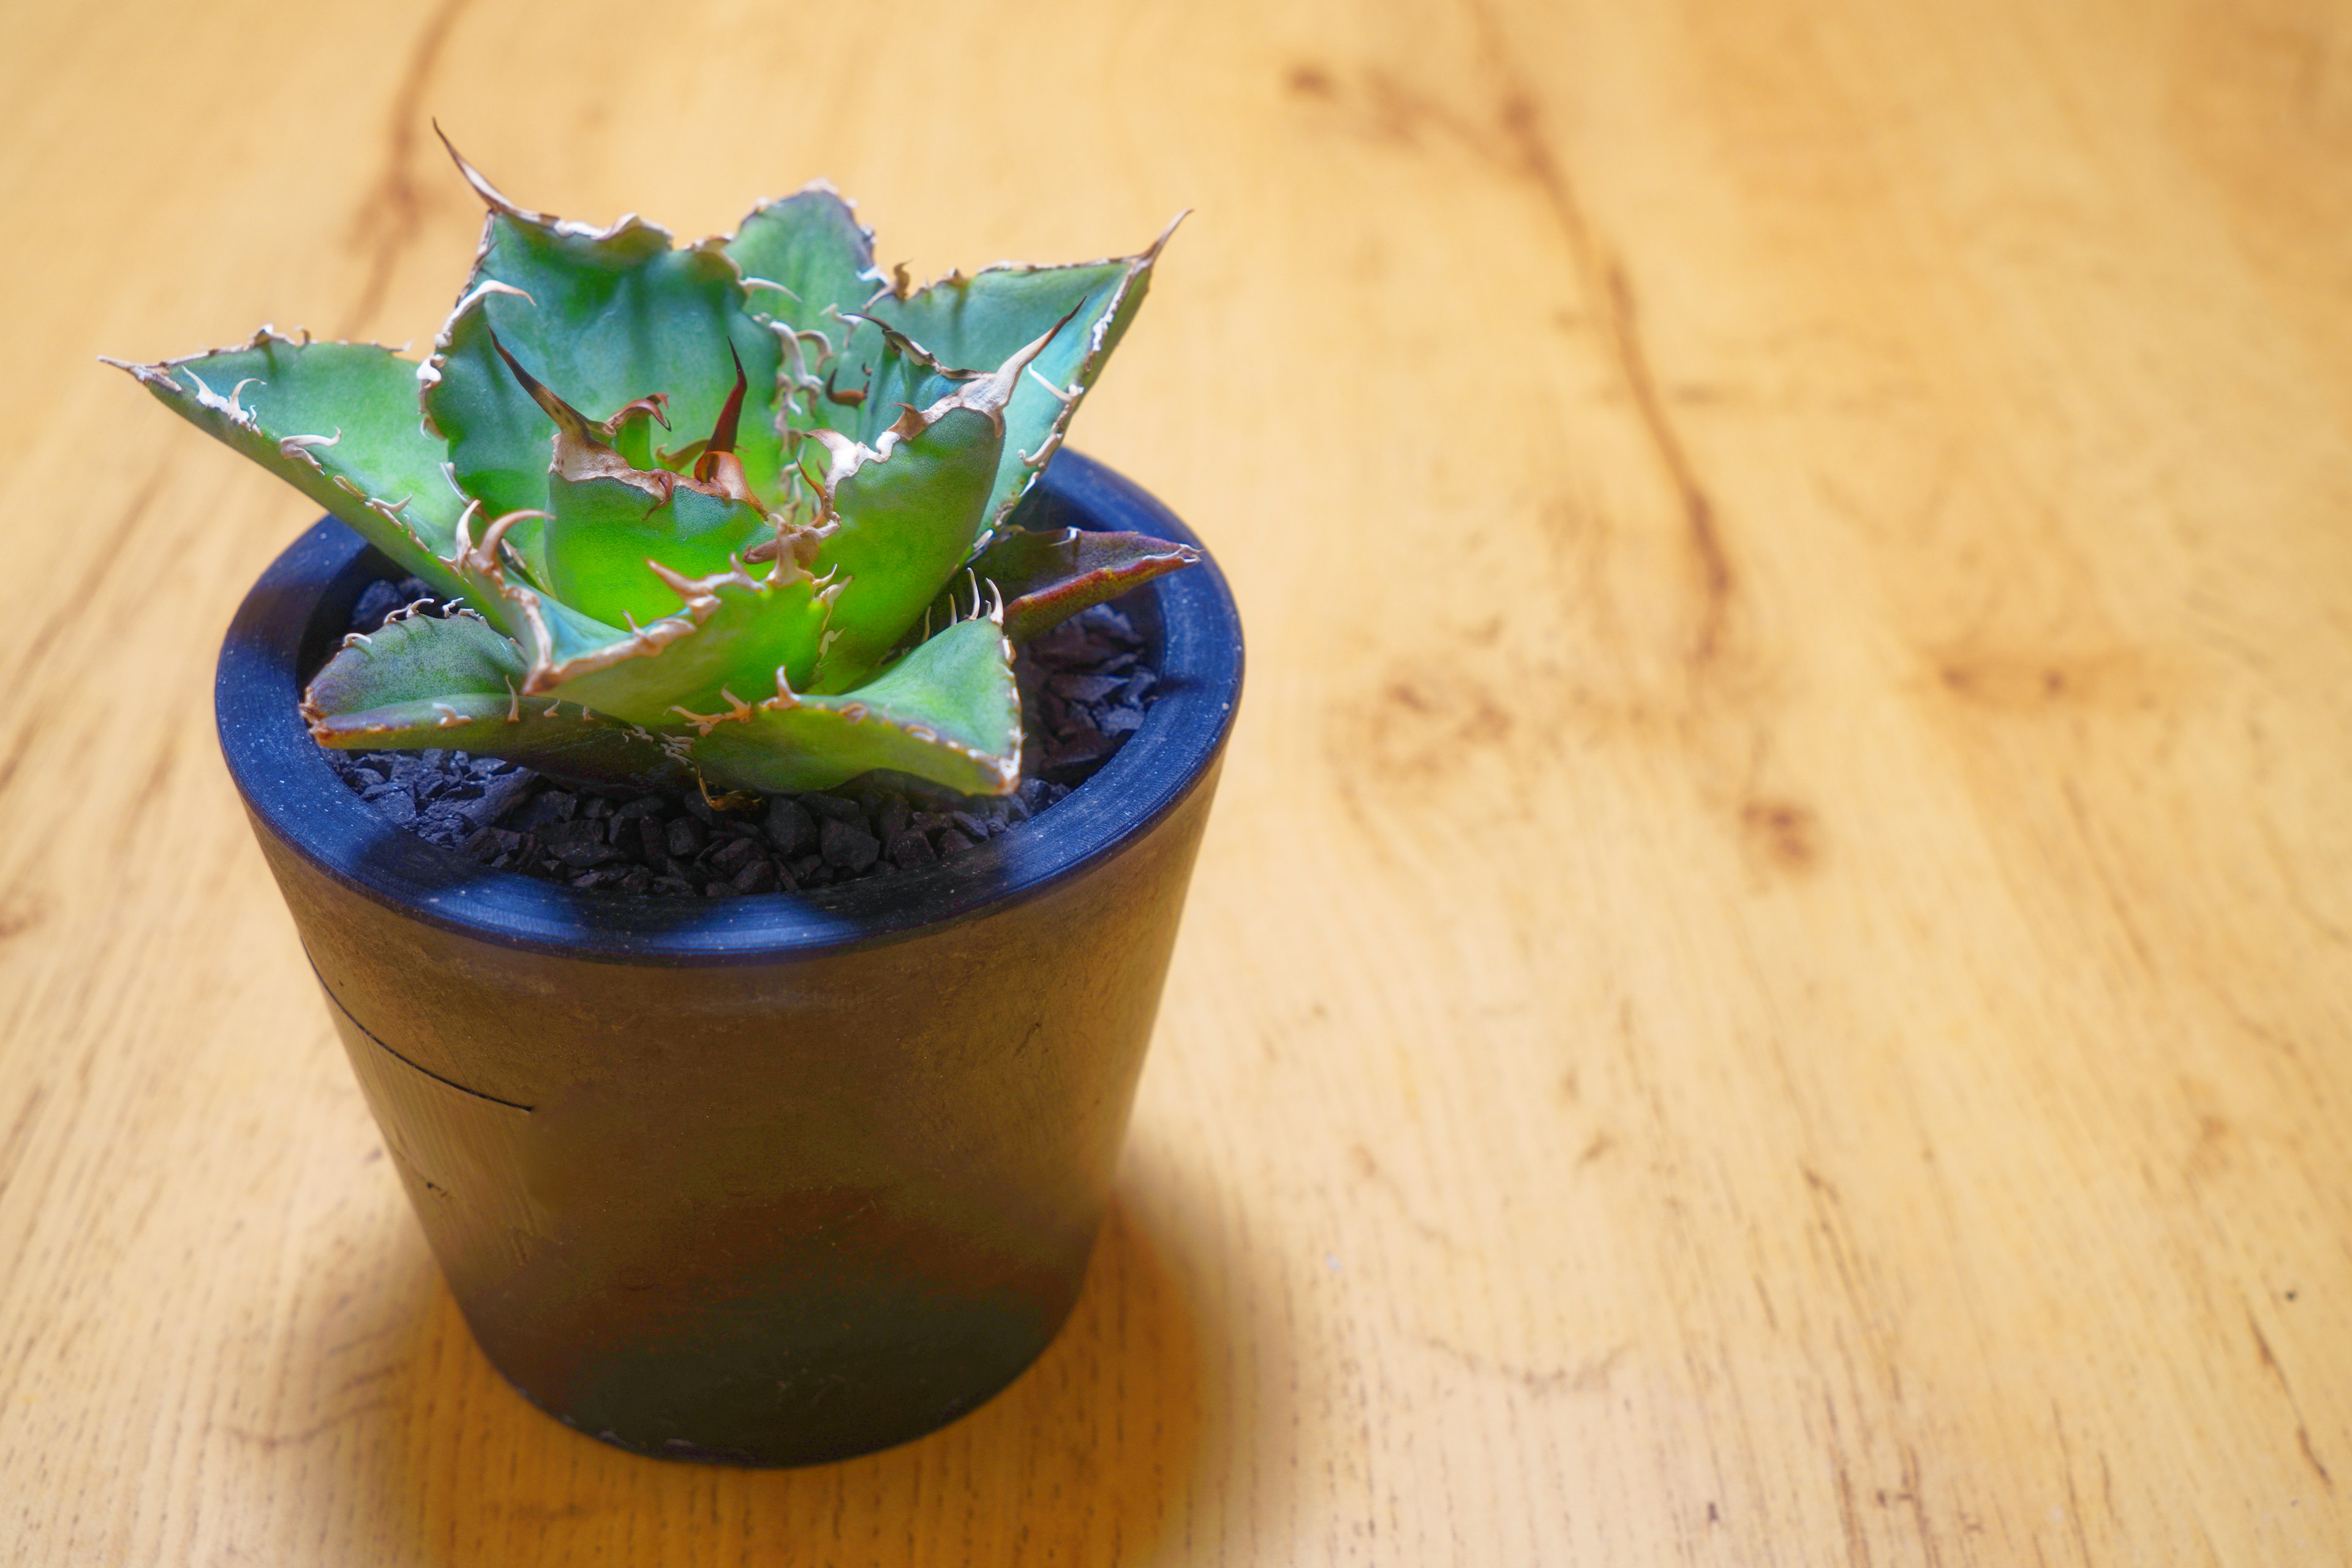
287	786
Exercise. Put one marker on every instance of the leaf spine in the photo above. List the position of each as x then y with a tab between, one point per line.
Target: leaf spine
294	447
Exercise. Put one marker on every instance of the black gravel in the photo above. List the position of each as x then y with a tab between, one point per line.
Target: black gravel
1084	689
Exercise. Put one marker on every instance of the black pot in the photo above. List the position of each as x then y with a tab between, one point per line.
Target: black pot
772	1180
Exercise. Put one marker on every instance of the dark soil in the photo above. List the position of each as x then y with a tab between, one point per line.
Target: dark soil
1084	689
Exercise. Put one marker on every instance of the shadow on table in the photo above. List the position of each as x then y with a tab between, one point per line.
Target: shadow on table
1088	1459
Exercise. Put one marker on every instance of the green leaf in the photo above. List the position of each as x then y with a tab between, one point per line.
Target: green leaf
908	514
607	528
905	511
981	319
733	628
551	635
808	267
414	660
949	712
814	253
453	682
1045	576
554	737
617	532
604	319
338	422
900	374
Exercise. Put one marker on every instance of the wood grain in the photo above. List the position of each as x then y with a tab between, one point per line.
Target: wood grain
1769	982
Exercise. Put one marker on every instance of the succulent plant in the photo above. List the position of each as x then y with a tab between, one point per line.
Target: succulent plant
819	577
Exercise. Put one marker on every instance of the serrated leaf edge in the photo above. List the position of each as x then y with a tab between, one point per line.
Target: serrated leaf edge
1004	769
161	374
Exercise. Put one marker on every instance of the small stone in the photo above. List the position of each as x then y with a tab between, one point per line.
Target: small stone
925	796
759	876
587	852
835	807
686	837
1064	643
502	794
548	805
789	825
443	824
973	827
807	866
952	843
1074	754
675	887
643	805
1122	721
637	880
377	600
395	804
732	856
890	819
910	850
491	843
717	887
847	848
1084	688
698	807
1103	618
446	789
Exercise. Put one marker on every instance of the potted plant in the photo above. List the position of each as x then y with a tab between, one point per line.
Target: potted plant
790	1175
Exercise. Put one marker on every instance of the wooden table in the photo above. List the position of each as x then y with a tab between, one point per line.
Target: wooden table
1770	980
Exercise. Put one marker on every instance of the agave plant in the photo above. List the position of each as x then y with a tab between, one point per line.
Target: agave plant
818	578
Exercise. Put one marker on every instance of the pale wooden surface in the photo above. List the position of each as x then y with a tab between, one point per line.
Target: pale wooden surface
1770	980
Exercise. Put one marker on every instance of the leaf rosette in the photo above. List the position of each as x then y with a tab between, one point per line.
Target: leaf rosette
739	509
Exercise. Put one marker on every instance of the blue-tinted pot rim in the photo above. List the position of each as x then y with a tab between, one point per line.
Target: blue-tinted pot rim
296	798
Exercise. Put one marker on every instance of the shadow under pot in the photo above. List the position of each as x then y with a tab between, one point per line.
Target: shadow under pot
772	1180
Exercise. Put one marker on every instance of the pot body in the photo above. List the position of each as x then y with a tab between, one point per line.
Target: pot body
773	1180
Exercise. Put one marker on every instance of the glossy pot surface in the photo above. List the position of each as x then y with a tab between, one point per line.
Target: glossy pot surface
771	1180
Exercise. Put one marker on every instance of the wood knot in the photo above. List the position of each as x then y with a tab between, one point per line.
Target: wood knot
1787	834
